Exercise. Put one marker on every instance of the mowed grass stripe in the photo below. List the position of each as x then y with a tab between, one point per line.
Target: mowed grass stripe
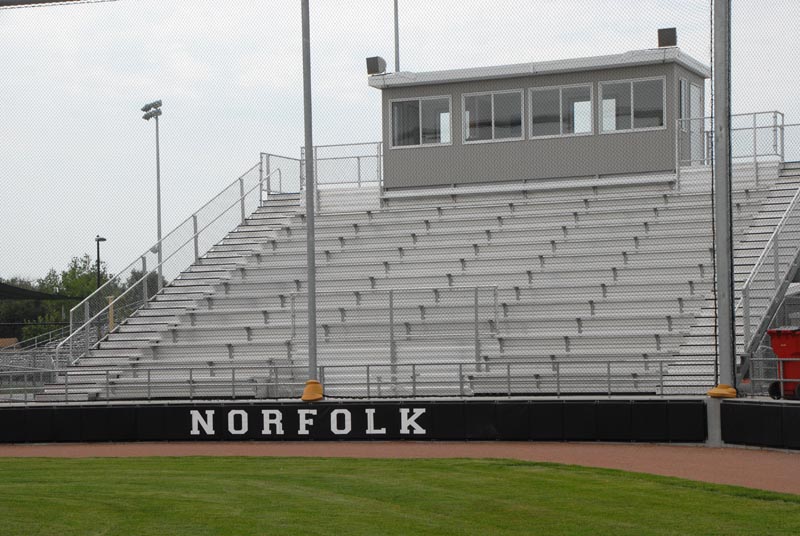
313	496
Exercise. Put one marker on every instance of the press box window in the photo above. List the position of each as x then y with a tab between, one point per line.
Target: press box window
421	122
493	116
632	105
561	111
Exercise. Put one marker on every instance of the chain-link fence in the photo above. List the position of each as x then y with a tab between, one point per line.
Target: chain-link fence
542	228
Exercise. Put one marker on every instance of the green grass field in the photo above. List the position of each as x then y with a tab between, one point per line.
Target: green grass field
247	496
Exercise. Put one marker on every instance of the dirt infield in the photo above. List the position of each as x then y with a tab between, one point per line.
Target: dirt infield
761	469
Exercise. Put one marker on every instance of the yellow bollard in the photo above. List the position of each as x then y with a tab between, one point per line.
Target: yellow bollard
312	392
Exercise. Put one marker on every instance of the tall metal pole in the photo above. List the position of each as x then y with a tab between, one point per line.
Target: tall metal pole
396	38
97	241
310	198
158	203
722	192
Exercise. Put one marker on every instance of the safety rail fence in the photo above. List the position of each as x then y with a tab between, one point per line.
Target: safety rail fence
778	378
348	165
406	380
38	340
387	316
763	290
756	138
132	288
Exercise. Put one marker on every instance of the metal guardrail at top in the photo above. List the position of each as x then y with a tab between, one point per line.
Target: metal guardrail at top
758	137
412	380
147	282
353	165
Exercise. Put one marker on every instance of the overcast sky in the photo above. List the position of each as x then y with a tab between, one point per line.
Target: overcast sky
77	160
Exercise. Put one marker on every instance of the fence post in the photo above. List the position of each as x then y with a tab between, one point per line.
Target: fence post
291	301
145	294
783	133
461	379
608	373
746	315
392	350
776	259
241	197
88	316
508	378
496	318
358	163
558	378
661	376
380	168
413	379
149	388
755	146
775	132
477	335
110	313
196	238
233	382
678	154
369	384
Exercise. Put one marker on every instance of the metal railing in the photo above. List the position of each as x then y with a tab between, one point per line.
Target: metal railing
755	137
769	375
352	165
187	243
403	380
399	313
771	275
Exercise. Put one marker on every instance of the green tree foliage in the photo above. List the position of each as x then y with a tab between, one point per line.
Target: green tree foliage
79	279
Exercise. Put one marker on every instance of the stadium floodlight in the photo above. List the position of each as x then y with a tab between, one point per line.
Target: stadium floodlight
150	106
153	110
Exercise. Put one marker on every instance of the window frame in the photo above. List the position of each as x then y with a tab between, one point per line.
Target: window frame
419	99
631	81
465	126
560	89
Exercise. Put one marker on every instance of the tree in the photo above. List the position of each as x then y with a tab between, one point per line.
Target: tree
79	279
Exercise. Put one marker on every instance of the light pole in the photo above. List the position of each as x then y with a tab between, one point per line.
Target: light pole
153	110
97	240
313	389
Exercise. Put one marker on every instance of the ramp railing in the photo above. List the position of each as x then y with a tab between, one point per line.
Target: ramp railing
771	275
169	244
135	286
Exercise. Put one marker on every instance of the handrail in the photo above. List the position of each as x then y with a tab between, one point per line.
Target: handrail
159	243
144	277
33	342
773	237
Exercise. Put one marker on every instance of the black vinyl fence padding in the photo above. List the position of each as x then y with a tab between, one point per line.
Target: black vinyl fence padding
586	420
762	424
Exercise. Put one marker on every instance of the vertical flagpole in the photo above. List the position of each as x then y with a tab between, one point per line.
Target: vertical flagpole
313	389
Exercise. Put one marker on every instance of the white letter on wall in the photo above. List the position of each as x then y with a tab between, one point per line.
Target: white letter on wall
305	421
371	423
207	424
272	417
243	424
348	425
406	421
